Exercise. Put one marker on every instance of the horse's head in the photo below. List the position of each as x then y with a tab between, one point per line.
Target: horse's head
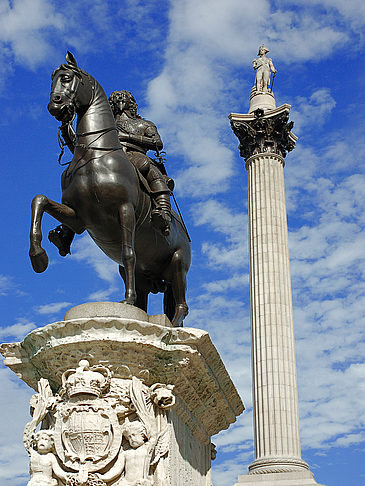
71	90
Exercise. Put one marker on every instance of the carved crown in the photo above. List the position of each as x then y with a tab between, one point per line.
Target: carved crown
86	380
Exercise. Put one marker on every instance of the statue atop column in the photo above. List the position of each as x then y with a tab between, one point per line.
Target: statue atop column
263	67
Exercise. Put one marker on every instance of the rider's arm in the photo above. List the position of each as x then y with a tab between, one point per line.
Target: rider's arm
151	139
154	141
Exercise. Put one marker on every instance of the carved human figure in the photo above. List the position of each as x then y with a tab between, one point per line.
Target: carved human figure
130	466
263	67
44	468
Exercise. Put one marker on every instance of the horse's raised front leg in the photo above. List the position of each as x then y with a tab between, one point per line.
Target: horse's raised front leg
62	213
127	223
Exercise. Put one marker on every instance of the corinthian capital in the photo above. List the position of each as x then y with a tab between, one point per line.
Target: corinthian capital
264	132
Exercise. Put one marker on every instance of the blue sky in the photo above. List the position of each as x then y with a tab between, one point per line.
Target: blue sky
188	64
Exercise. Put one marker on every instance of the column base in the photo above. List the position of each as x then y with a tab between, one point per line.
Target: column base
292	478
279	464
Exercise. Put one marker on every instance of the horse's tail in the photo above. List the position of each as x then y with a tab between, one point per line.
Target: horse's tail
169	303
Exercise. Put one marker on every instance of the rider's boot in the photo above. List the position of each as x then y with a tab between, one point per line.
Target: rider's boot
161	214
62	237
160	193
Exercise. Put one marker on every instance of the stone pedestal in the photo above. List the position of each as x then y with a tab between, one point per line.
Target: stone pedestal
265	138
262	100
143	355
293	478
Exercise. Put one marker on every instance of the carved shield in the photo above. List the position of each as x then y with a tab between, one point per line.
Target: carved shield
87	433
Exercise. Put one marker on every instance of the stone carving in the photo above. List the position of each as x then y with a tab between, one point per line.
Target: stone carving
44	467
263	67
264	134
99	430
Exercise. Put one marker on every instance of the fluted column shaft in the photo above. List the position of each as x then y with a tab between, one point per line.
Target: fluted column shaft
265	139
275	400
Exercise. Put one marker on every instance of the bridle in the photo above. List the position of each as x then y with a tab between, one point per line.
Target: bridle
70	93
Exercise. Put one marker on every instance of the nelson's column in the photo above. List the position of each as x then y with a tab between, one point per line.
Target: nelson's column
265	138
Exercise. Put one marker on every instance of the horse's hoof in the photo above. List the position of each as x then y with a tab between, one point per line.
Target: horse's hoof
127	301
182	310
39	261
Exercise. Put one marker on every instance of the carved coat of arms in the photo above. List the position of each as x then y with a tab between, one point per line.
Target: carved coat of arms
98	430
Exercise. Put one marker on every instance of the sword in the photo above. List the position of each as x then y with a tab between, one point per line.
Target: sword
272	84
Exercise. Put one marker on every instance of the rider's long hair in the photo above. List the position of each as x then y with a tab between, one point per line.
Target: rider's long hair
133	106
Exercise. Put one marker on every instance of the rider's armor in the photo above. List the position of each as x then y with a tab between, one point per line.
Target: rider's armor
137	136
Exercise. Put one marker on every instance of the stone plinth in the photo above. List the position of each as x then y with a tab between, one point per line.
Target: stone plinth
141	352
294	478
264	100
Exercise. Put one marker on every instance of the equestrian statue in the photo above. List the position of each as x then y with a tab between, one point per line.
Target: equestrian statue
115	192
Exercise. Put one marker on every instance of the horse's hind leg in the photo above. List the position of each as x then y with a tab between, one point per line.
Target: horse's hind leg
127	224
142	294
178	273
62	213
169	304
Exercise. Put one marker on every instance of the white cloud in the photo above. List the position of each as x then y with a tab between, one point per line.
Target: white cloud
52	308
352	11
101	295
25	30
85	250
6	284
233	226
18	330
312	111
198	58
224	285
33	31
13	458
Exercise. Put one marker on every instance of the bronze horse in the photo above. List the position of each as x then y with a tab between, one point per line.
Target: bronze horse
102	194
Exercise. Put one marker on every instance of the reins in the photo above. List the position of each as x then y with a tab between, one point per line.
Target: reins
89	146
102	132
